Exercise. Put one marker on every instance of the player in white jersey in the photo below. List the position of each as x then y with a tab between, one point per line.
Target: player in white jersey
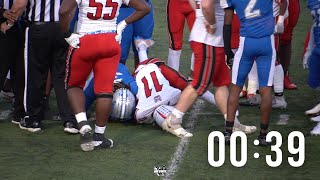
95	47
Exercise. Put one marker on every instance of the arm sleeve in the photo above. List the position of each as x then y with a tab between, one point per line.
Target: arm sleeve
174	77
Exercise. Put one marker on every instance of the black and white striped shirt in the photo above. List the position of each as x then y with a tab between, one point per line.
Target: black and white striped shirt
43	10
6	4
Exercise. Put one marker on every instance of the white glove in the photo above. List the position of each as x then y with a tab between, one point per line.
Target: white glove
120	28
305	62
279	28
74	40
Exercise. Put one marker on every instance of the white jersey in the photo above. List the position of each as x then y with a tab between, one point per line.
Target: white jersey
276	9
199	33
153	89
98	15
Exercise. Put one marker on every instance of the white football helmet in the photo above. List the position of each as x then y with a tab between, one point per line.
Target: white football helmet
123	105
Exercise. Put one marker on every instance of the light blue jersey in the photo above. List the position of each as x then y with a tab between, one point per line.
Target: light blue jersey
256	16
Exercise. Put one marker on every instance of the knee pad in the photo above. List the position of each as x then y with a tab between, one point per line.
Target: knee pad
161	113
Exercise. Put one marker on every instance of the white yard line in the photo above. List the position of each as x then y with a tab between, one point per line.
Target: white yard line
177	157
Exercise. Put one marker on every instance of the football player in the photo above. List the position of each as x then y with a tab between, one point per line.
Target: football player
96	25
314	63
209	66
280	12
256	44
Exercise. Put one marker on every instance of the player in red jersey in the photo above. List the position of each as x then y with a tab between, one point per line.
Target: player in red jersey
95	47
285	41
177	12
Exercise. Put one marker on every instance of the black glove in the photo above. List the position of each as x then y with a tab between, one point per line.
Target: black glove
229	60
227	45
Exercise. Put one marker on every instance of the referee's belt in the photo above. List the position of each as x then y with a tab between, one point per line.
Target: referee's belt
41	23
102	32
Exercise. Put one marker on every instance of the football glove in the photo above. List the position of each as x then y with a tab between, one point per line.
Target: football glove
229	59
279	28
305	62
74	40
120	28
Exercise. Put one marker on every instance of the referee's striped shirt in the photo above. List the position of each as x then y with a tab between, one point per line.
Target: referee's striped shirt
6	4
43	10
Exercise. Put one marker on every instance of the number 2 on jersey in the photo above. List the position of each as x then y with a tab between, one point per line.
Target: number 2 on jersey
249	12
99	6
156	84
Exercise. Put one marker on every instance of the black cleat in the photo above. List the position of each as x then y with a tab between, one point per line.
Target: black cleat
101	142
16	120
86	142
70	128
262	141
31	126
227	137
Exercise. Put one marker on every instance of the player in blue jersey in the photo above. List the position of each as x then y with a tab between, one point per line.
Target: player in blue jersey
256	44
142	28
122	76
314	62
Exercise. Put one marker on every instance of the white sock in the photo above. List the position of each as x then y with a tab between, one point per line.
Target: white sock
99	129
174	59
192	62
209	97
81	117
278	79
178	115
8	75
142	52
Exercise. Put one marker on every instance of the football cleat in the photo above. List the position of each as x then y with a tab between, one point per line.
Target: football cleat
279	102
7	95
243	94
315	119
262	141
138	41
316	130
251	101
288	83
70	128
314	110
244	128
101	142
227	137
27	124
175	129
86	142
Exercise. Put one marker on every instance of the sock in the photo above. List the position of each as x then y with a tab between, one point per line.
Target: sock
9	75
81	117
99	130
142	52
192	62
229	127
209	97
264	128
174	59
278	79
178	115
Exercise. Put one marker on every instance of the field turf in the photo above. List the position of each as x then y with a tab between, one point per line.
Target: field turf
52	154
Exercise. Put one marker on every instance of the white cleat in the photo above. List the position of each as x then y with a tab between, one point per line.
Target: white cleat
279	102
138	41
314	110
175	129
316	130
315	119
244	128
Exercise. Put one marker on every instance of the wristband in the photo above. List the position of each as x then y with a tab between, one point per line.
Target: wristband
280	19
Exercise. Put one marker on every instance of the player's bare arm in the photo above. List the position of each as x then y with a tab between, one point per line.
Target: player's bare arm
208	11
141	8
66	13
227	36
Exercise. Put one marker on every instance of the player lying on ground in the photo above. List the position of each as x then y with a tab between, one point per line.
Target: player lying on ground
95	47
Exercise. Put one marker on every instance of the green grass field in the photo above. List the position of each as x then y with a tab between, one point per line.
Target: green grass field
52	154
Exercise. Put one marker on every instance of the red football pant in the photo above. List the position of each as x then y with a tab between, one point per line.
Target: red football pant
209	66
177	12
290	22
97	52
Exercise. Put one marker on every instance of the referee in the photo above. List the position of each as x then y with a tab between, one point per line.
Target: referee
11	56
45	48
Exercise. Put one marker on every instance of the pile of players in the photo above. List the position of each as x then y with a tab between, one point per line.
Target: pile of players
255	41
